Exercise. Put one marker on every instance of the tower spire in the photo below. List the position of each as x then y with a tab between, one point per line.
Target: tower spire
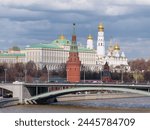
74	31
73	47
73	35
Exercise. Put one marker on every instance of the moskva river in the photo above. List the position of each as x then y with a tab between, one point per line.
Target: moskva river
126	104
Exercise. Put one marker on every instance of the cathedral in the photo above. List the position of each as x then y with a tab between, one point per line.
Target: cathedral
113	55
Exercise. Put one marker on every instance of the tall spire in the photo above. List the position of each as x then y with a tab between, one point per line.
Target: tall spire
73	47
74	28
73	35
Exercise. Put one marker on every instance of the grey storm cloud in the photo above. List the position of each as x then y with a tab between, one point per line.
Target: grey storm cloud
32	21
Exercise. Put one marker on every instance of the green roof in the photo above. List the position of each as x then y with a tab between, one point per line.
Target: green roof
41	45
61	42
12	55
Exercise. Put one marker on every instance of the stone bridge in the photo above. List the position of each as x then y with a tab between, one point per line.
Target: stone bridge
50	97
40	91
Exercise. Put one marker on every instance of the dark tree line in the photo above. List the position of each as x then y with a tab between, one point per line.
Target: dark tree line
140	71
18	72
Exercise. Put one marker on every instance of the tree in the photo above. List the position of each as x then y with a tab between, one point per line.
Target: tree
62	70
138	64
128	77
138	77
19	68
147	76
31	69
116	76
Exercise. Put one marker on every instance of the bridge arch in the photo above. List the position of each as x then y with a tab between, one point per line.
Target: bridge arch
52	95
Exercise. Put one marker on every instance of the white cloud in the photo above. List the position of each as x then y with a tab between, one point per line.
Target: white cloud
100	7
18	2
126	2
51	5
6	12
117	10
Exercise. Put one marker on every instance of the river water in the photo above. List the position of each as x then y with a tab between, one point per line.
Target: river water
113	105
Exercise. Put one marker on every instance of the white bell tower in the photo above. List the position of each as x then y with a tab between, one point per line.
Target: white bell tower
90	42
100	41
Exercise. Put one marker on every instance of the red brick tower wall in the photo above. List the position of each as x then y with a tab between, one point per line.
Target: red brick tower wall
73	67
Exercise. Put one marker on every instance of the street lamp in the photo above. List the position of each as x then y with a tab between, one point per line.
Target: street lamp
122	70
136	77
5	75
101	74
25	79
84	73
48	75
122	76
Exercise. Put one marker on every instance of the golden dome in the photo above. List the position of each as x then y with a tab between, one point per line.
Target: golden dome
101	27
116	47
62	37
90	37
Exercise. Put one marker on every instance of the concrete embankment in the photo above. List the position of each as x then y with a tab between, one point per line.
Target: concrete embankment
6	102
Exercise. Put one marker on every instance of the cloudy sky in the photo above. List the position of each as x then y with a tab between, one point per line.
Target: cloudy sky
24	22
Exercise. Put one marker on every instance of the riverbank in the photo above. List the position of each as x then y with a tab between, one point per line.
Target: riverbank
6	102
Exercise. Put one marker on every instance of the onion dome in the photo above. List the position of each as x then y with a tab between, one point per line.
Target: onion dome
116	47
123	55
90	37
62	37
100	27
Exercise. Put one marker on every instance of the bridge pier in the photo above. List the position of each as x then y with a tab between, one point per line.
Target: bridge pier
15	89
18	92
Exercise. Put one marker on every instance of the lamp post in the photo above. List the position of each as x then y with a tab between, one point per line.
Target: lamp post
48	75
25	79
122	70
5	75
84	73
122	76
136	77
101	74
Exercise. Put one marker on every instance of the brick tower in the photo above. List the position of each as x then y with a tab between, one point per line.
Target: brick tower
106	76
73	63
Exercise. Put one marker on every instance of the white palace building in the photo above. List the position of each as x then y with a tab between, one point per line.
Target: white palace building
54	54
